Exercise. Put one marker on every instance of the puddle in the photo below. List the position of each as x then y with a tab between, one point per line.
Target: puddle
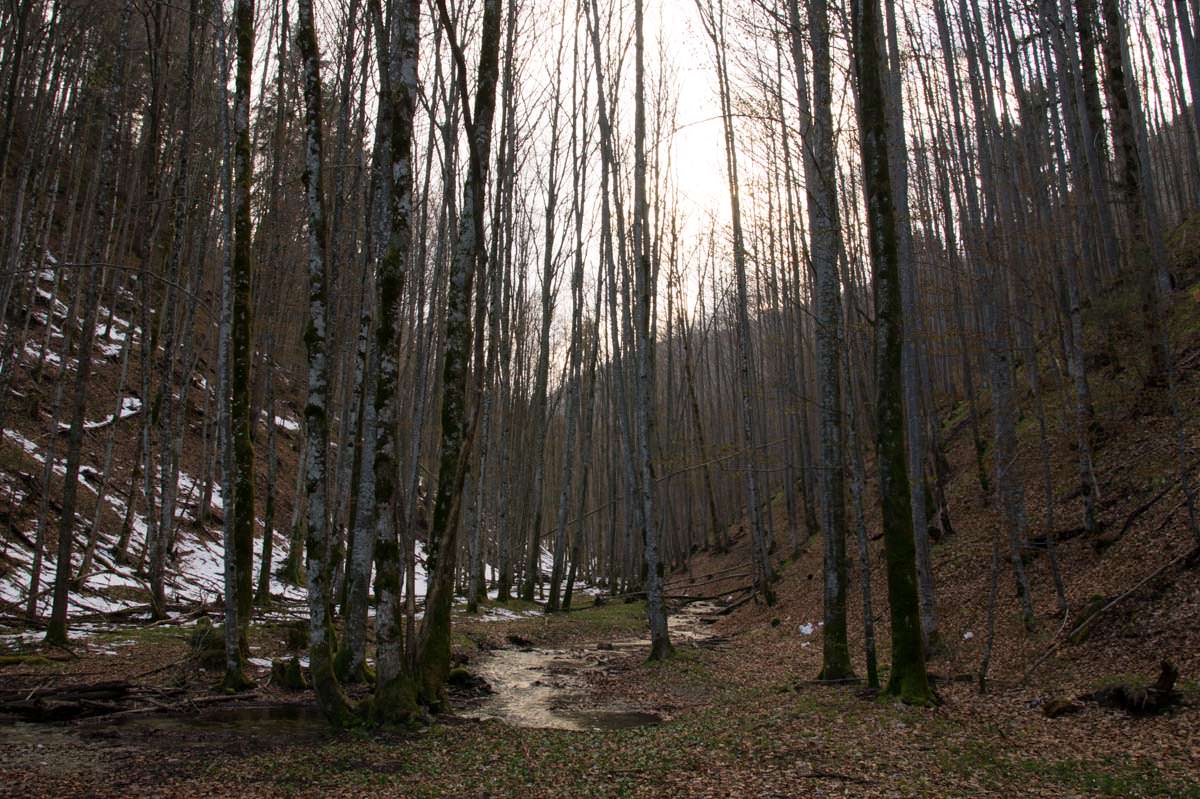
249	723
543	688
250	715
175	742
613	719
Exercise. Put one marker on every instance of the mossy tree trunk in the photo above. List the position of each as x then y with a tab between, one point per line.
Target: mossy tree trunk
395	698
242	332
169	439
825	244
908	679
292	570
1146	237
457	431
262	596
1129	171
235	678
330	697
911	356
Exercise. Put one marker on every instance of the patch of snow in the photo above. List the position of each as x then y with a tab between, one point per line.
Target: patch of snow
34	350
114	579
130	406
30	448
287	423
505	614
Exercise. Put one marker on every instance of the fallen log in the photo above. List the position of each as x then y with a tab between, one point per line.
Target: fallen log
725	611
135	610
182	706
687	599
685	586
63	704
31	659
1139	701
102	690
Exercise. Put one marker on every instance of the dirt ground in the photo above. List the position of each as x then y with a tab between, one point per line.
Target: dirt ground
732	714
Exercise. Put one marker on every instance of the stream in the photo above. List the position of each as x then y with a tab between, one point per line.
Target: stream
547	688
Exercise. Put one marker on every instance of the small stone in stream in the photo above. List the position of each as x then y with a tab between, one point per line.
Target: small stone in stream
1060	707
462	681
520	641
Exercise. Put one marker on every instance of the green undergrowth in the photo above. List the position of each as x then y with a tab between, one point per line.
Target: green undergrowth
1108	776
584	624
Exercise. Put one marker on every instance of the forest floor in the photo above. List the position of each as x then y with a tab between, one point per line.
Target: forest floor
734	713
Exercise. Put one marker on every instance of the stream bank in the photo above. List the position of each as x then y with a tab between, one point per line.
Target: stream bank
552	688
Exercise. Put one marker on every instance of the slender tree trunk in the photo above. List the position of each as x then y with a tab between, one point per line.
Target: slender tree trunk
824	227
457	428
262	596
764	575
330	697
110	114
908	679
241	418
395	698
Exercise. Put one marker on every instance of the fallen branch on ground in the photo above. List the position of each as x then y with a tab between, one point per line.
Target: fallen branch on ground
687	600
1189	555
685	586
725	611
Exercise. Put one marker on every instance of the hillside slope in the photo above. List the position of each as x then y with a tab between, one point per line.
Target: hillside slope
195	569
1142	514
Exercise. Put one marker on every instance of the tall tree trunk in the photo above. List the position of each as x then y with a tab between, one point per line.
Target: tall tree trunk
241	416
457	428
656	611
764	575
395	697
110	114
330	697
1117	79
824	227
262	594
910	365
908	679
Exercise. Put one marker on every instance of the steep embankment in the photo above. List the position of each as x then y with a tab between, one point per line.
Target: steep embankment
1138	556
111	466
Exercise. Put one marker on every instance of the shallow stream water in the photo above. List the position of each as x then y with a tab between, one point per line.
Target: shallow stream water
546	688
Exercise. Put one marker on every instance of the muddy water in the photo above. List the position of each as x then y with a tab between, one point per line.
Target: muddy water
545	688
